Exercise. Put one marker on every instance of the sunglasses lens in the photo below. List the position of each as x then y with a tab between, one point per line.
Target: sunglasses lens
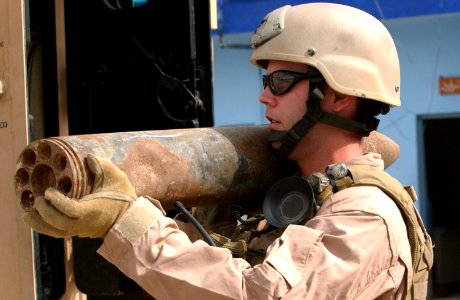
281	82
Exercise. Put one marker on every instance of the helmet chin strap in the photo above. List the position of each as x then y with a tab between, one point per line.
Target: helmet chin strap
290	139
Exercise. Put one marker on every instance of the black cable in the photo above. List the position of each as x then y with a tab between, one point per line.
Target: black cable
207	238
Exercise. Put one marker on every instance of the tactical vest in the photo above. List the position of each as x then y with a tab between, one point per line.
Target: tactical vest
419	240
404	197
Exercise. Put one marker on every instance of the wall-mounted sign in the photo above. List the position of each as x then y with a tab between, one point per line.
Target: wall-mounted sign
449	85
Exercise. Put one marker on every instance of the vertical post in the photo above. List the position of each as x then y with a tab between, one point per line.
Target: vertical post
16	267
71	290
61	63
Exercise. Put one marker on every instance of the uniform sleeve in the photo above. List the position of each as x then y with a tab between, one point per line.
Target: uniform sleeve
350	250
150	249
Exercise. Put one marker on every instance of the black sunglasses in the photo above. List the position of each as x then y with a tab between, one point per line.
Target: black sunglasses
281	81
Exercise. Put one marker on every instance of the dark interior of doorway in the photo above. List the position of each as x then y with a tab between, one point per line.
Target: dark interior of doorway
127	69
442	163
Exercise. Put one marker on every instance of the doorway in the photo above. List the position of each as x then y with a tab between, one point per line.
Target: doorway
440	170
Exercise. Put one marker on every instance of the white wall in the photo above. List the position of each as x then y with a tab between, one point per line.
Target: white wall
428	47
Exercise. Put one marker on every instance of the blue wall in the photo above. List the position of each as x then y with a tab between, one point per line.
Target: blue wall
244	15
428	47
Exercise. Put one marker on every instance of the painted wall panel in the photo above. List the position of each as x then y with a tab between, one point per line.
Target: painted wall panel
16	264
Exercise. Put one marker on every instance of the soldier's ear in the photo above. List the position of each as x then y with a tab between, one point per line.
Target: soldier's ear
338	103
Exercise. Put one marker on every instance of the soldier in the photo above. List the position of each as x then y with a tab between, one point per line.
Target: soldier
331	69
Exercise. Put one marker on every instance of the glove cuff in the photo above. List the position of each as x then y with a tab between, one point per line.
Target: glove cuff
137	219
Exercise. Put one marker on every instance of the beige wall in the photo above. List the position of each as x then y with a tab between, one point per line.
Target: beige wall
16	259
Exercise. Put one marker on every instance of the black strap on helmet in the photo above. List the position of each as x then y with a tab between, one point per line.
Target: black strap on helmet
315	114
292	137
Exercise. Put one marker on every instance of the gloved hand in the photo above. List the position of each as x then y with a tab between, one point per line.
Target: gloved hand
91	216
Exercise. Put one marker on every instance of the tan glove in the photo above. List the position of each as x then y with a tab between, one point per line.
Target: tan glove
91	216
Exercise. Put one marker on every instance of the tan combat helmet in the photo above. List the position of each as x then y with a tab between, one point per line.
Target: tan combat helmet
353	50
